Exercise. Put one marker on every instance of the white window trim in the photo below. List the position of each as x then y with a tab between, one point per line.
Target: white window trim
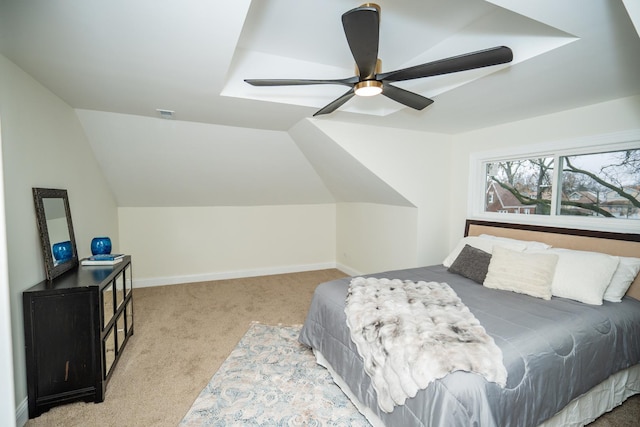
585	145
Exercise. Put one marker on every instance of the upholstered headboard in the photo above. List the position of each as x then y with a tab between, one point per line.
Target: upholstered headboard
619	244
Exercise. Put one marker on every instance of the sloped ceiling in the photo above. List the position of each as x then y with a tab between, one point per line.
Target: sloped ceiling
156	162
346	178
117	62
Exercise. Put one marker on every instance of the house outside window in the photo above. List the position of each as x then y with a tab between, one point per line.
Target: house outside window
602	184
520	184
579	182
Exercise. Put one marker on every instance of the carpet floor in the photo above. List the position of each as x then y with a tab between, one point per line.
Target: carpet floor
183	334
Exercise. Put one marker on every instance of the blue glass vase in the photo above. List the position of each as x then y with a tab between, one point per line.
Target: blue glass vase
62	251
100	245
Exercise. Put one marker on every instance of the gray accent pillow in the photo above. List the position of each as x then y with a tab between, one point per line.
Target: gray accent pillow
472	263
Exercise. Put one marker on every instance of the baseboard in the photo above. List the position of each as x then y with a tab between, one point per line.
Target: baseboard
175	280
348	270
22	413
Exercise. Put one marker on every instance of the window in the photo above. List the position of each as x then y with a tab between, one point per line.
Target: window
601	185
588	183
522	185
597	184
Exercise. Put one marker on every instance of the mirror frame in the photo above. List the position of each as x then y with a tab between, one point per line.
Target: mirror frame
51	270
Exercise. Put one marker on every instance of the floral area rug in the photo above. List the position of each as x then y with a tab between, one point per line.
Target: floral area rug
270	379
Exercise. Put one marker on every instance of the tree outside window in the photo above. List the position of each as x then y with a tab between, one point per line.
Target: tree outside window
598	185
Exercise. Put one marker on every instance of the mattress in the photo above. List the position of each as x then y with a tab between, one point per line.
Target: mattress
554	351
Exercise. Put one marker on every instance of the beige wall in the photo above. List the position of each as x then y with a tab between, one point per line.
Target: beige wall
43	145
373	238
177	245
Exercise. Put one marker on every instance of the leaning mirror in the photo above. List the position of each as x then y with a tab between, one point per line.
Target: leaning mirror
56	231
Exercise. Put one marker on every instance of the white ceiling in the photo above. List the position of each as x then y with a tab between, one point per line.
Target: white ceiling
135	57
117	62
404	41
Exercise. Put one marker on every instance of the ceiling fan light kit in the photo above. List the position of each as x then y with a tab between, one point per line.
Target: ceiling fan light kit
368	88
362	29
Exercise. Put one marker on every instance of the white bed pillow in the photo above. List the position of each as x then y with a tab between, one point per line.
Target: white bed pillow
530	245
623	277
582	276
522	272
482	243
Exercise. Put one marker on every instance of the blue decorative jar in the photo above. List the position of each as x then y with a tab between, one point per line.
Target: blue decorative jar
100	245
62	251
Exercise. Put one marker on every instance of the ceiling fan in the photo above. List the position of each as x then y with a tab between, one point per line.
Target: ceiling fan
362	29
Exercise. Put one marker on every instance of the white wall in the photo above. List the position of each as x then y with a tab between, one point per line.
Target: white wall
373	238
416	165
43	145
608	117
189	244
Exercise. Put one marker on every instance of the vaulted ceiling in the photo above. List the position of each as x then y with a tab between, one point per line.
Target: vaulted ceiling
117	62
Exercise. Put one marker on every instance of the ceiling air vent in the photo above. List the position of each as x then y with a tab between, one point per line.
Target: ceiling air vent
165	114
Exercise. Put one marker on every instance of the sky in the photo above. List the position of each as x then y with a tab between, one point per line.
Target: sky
594	163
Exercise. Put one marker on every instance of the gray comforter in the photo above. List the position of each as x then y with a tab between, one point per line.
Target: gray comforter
553	350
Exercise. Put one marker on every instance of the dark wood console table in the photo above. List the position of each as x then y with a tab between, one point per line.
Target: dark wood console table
76	328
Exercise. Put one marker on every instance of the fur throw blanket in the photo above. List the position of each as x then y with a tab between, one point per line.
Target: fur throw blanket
410	334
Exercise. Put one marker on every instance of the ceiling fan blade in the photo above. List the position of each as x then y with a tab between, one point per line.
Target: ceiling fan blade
335	104
468	61
410	99
362	29
298	82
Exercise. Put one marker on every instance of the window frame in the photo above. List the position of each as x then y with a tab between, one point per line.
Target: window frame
556	149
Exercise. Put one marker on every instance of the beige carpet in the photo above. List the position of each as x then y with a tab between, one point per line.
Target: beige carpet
183	333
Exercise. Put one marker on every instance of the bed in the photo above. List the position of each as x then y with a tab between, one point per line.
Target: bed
568	359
